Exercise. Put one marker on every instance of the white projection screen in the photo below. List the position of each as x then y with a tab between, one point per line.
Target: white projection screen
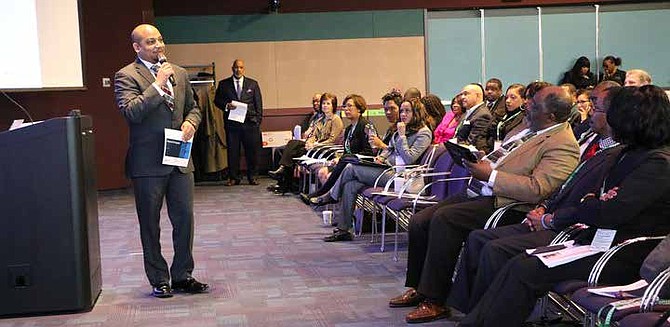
42	48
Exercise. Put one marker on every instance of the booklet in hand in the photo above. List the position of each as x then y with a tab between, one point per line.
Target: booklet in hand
460	153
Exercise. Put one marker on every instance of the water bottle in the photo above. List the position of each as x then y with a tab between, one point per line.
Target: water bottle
297	132
371	132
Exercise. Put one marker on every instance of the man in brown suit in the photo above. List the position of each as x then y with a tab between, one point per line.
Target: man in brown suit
529	167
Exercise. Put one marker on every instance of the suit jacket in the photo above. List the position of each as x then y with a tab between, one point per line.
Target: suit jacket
148	115
251	95
565	201
643	199
498	110
358	140
474	129
327	131
537	167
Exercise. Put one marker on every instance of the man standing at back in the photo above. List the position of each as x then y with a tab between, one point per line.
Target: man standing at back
242	90
154	95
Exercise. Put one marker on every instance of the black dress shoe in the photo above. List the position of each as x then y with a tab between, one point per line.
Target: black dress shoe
276	174
253	182
322	200
162	291
190	285
232	182
339	236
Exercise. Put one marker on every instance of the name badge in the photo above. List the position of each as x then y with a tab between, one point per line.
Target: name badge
603	239
466	122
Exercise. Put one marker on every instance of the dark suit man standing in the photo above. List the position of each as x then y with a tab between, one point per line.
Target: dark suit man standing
248	134
473	129
151	104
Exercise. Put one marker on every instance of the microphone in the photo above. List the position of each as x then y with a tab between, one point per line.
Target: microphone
162	59
18	105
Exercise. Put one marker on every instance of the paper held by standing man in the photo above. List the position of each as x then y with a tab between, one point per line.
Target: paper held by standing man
239	113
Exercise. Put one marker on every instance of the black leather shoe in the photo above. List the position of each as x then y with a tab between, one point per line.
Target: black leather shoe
162	291
253	182
232	182
276	174
190	285
322	200
340	236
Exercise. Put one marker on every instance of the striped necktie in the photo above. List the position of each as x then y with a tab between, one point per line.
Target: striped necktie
168	96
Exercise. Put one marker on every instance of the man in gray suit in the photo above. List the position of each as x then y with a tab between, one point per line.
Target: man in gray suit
154	95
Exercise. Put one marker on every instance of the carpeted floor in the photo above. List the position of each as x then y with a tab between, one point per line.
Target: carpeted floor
264	258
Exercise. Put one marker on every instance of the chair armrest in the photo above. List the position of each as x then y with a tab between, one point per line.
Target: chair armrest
568	233
651	294
494	219
444	180
598	267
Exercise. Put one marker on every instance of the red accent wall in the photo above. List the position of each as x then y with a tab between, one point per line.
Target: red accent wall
106	27
208	7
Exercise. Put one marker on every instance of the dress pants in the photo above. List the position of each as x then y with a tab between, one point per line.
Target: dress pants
485	254
177	190
334	176
515	290
293	149
436	235
353	179
247	135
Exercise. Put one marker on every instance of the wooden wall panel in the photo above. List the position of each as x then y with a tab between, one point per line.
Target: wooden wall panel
291	72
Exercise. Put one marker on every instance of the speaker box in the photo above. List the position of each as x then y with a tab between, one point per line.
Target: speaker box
49	239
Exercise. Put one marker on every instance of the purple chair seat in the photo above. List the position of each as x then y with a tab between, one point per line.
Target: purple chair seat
569	286
642	320
593	303
367	192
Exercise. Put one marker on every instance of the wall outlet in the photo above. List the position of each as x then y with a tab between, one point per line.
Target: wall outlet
106	82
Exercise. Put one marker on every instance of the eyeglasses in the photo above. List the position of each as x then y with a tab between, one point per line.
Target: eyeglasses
583	101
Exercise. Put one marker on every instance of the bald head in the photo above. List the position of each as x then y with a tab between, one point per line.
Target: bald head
471	95
147	42
238	68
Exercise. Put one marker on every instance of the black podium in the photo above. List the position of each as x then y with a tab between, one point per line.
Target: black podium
49	239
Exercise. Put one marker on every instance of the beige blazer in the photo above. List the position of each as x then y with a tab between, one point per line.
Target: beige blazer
534	170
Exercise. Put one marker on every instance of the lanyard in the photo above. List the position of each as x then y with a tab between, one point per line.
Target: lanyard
500	124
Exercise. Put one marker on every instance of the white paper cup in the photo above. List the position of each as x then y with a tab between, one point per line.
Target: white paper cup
327	217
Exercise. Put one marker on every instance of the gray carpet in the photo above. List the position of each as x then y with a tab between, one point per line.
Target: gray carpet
264	258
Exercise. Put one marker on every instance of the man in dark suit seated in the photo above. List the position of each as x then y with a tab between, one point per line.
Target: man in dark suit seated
473	128
248	133
633	200
150	105
495	100
486	251
527	167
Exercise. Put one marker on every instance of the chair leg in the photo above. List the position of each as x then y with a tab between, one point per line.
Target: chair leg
373	228
383	231
395	240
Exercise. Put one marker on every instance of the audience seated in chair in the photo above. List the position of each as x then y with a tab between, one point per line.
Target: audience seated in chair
407	145
391	103
637	77
434	110
514	114
495	101
633	200
356	139
447	128
580	75
473	128
529	166
325	132
486	251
